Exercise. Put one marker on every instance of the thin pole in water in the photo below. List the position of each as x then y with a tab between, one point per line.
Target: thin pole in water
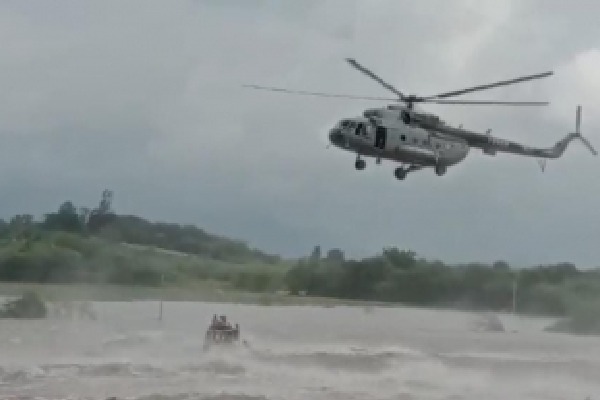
514	296
160	304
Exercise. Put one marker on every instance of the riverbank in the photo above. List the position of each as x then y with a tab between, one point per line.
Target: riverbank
201	291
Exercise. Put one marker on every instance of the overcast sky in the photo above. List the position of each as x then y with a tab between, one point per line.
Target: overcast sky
145	98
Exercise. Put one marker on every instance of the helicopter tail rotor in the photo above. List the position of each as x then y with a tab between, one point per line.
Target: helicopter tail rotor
578	132
561	146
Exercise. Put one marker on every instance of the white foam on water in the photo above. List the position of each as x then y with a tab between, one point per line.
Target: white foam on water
423	356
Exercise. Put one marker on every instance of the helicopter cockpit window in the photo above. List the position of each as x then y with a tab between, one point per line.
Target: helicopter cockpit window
345	123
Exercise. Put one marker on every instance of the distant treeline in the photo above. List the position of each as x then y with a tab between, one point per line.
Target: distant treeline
82	245
399	276
103	222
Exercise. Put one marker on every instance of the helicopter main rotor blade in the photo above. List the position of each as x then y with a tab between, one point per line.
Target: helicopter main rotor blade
490	102
320	94
488	86
371	75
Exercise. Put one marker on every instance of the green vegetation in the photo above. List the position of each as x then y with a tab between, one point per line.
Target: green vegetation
101	247
583	318
64	257
30	305
399	276
103	251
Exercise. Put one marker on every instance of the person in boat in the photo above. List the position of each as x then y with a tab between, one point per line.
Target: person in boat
222	330
216	326
224	324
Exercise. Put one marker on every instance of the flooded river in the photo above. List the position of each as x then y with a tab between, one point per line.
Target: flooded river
294	353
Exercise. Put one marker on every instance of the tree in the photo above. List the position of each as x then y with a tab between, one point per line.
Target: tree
84	214
67	208
21	220
65	219
401	259
301	277
21	225
4	229
335	255
106	202
316	254
501	266
103	214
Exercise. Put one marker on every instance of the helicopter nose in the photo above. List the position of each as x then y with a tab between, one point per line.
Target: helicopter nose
336	136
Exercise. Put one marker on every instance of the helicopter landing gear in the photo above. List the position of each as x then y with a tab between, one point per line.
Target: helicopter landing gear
400	173
440	170
360	164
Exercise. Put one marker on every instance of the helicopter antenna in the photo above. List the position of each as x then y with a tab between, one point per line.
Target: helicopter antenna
542	163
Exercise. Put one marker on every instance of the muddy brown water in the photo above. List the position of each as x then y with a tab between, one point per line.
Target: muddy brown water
294	353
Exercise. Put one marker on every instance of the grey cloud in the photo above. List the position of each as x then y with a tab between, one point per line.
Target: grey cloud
145	98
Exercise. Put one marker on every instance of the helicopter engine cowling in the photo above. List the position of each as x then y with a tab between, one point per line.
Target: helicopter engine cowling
421	119
405	117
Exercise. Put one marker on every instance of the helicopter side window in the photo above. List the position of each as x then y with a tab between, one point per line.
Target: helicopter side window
360	128
403	138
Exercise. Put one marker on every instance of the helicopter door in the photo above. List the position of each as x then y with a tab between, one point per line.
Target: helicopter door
361	129
380	137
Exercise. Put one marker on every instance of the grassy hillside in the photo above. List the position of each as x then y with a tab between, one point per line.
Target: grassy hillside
181	238
63	257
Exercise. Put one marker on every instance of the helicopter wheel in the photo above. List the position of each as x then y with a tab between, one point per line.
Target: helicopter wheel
360	164
400	173
440	170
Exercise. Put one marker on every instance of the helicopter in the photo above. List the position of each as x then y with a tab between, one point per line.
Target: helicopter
417	139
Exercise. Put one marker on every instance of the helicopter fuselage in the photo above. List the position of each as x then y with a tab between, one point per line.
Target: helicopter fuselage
392	139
